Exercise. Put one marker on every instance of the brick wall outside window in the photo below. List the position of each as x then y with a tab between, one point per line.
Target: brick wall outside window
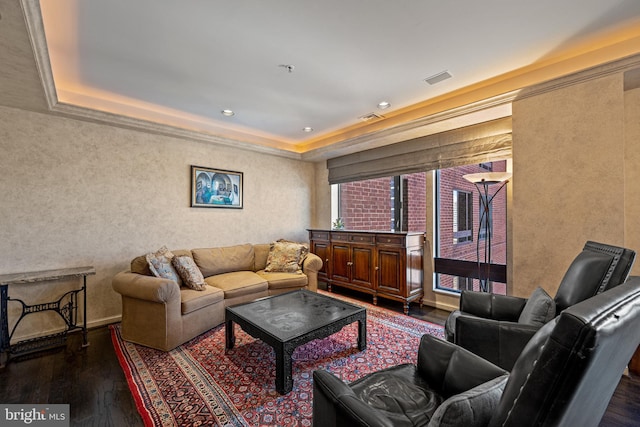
366	205
451	179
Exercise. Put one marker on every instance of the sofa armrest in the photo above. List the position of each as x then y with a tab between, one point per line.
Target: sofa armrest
499	342
491	306
149	288
311	265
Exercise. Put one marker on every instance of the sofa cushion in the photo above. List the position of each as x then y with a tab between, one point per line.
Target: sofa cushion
286	257
160	265
189	272
238	283
284	280
261	251
539	309
192	300
212	261
141	266
399	393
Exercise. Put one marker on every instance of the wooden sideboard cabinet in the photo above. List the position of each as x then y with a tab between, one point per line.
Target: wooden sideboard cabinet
382	264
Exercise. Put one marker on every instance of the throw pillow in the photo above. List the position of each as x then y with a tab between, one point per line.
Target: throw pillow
303	253
160	265
286	257
189	272
539	309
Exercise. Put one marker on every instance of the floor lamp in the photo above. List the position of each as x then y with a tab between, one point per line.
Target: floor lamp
483	181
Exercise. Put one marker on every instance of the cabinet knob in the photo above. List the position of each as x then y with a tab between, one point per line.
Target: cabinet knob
349	263
377	268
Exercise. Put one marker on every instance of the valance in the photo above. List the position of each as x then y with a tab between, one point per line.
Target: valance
483	142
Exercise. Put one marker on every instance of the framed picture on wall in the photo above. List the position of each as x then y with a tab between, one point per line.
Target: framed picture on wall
215	188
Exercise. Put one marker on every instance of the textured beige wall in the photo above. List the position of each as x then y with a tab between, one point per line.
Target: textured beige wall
569	178
632	172
322	213
77	193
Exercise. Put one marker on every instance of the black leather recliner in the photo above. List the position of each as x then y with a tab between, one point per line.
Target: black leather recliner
565	376
488	324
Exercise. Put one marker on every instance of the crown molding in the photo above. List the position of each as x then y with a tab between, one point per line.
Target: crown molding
35	30
404	131
589	74
477	112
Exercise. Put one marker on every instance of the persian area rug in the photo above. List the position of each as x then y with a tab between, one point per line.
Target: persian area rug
201	384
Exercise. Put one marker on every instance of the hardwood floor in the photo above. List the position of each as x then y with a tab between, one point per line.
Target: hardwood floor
94	385
90	380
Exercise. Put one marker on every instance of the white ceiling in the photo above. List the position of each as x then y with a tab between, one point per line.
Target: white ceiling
181	62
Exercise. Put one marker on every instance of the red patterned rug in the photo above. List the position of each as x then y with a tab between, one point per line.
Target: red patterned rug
201	384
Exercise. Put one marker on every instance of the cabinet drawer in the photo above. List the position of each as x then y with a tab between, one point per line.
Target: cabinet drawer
340	237
383	239
320	235
362	238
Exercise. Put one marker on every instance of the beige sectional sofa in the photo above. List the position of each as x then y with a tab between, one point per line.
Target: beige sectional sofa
157	312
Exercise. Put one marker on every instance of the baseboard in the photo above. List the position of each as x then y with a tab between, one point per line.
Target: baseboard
104	321
90	325
440	305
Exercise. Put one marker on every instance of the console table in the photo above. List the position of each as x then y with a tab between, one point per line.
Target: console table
384	264
66	306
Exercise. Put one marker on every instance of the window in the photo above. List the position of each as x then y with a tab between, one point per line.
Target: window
458	218
462	216
384	204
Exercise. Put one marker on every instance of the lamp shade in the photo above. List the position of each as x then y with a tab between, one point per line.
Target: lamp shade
488	178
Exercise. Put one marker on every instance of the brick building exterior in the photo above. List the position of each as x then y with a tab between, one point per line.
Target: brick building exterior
368	205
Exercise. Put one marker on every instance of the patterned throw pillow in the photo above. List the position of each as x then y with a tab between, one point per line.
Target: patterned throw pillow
160	265
189	272
286	257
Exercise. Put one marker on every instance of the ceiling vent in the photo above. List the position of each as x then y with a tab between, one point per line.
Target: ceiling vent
371	117
437	78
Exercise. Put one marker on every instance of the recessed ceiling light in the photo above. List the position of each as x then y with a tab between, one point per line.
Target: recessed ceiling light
227	113
384	105
307	129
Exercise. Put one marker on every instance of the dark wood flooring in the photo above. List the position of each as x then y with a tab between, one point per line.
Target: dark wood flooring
92	382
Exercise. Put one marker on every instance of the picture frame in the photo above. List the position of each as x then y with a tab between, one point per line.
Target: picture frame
216	188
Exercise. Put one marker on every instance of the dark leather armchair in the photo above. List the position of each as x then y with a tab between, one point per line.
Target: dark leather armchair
565	376
492	326
412	394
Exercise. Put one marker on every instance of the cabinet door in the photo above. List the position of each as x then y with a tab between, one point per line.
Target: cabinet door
390	272
362	268
322	250
340	262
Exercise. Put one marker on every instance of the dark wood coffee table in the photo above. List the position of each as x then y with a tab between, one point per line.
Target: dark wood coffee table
289	320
